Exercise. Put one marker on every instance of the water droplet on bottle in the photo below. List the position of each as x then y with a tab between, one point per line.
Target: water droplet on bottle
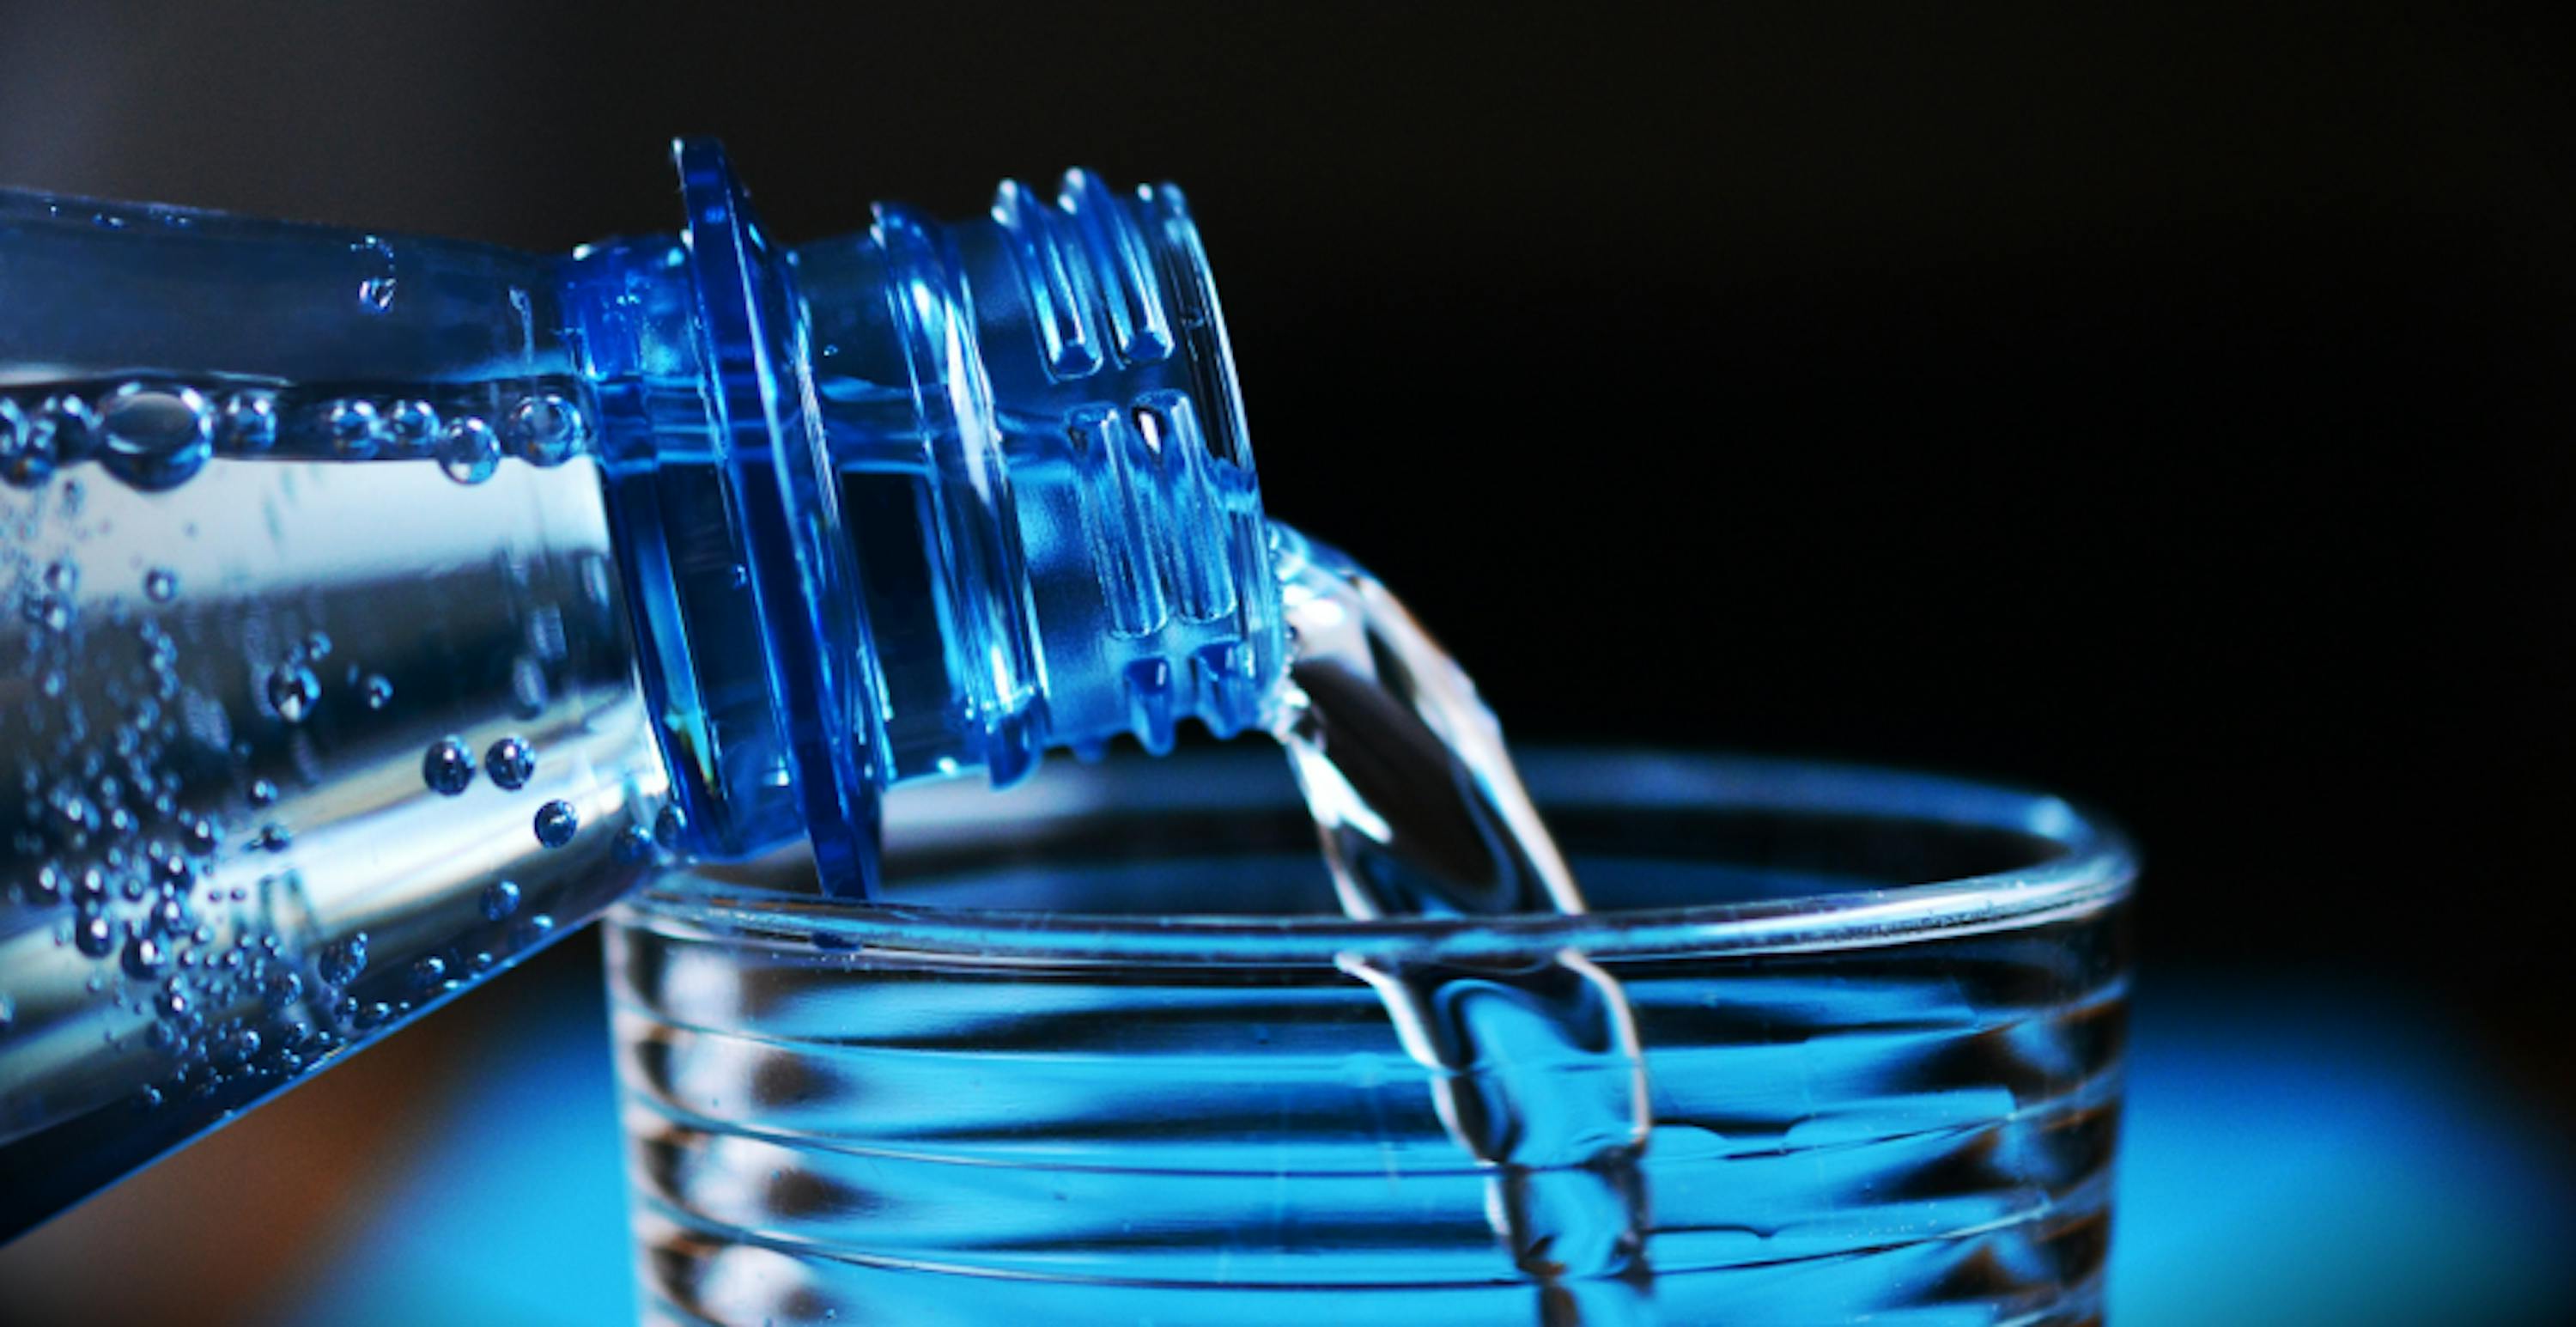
292	691
377	293
25	466
50	611
510	761
556	823
74	810
13	444
469	451
357	429
317	646
546	429
282	989
448	767
50	885
273	837
249	423
67	424
170	870
94	935
60	432
262	793
500	899
201	835
670	825
157	436
160	585
51	683
144	957
411	428
62	577
429	973
342	960
377	690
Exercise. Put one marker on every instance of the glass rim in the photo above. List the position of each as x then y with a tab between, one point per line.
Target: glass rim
2092	868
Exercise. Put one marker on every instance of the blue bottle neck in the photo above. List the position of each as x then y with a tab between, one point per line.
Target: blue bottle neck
922	499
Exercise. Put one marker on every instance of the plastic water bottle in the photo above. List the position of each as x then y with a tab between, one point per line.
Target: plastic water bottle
374	609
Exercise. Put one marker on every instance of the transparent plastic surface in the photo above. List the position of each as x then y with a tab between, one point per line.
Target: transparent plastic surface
1107	1059
377	607
308	719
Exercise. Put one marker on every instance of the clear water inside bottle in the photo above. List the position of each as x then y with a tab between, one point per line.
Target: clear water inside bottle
253	715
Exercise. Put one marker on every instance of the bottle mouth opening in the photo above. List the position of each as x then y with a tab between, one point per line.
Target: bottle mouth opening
1209	860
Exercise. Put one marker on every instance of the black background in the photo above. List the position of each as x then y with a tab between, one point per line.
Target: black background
2171	410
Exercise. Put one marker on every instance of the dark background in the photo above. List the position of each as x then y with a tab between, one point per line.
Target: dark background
2170	410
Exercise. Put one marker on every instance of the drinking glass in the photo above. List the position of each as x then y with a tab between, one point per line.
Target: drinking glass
1102	1056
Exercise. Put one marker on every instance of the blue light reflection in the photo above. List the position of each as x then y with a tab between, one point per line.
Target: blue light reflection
2294	1152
